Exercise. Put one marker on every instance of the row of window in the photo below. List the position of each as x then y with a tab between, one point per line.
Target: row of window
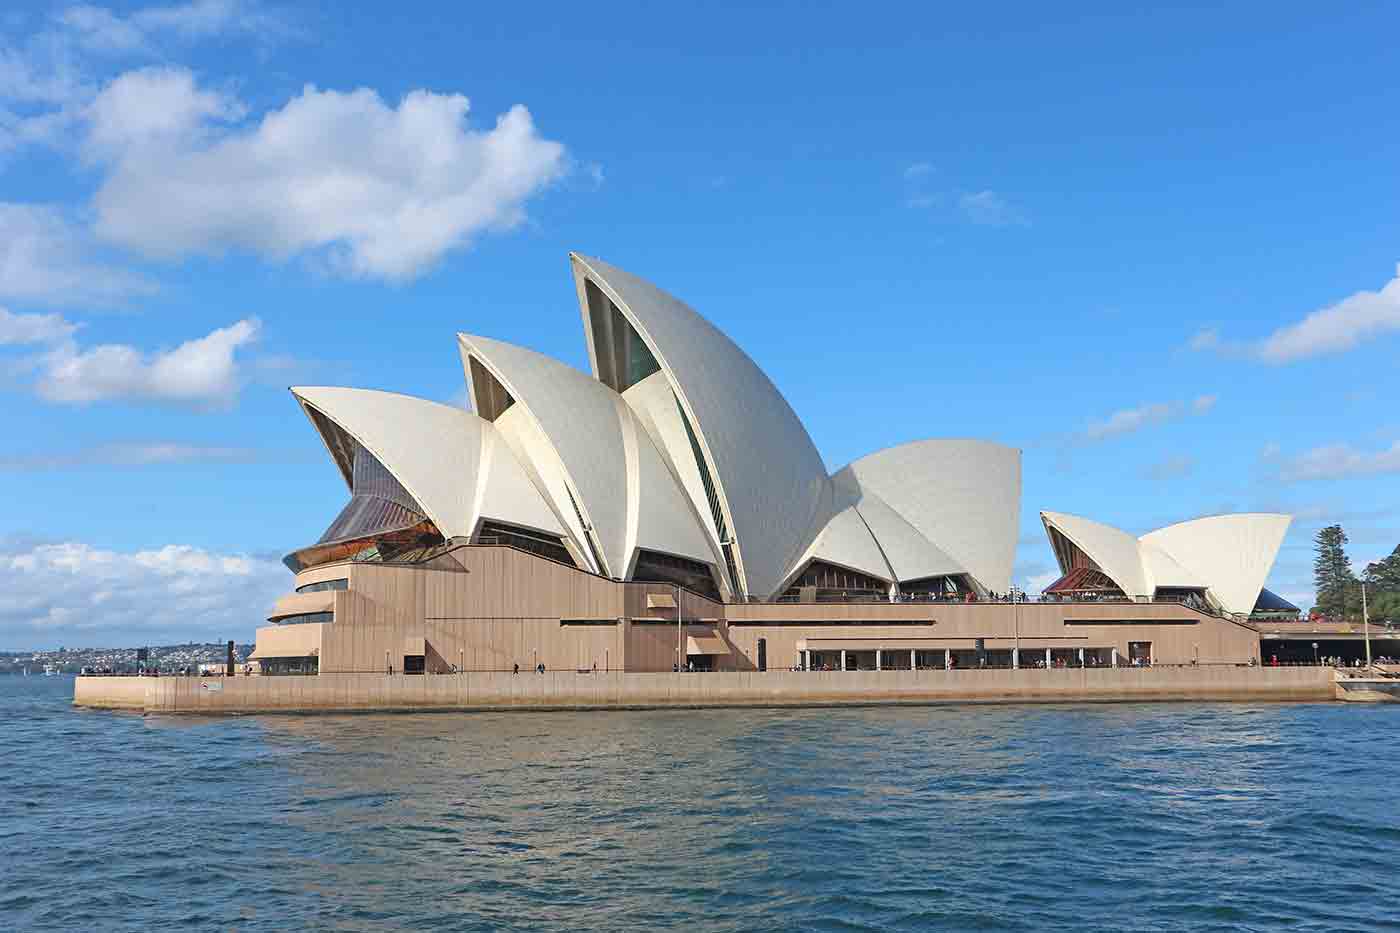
340	584
305	617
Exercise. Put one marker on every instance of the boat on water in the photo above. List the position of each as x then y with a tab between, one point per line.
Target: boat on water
51	670
1369	689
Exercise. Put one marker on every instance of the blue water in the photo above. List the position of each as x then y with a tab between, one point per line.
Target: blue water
1143	817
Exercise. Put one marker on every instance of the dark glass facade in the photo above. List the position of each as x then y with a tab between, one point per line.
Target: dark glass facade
380	522
279	667
656	567
830	583
324	585
535	542
304	617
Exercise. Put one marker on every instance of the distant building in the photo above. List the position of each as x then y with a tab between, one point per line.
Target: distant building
670	509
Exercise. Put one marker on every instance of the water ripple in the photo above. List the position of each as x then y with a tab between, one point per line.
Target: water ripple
1104	817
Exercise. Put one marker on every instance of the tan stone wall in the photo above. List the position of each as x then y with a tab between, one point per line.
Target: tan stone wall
504	607
556	689
291	641
958	625
111	692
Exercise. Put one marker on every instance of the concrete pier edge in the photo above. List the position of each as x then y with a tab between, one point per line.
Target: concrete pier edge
567	690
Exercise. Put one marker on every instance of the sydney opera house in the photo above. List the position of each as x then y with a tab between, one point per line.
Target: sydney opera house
669	510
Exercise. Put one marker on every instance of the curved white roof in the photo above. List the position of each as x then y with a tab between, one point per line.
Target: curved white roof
771	482
448	459
1114	550
910	555
590	437
1233	553
1229	556
846	542
963	496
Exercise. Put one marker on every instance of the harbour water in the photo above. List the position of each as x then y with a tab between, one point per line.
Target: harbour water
1085	817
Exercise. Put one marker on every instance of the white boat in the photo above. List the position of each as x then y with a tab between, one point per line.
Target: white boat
50	670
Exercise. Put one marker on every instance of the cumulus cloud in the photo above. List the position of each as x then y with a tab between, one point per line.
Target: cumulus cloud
74	593
989	209
34	328
129	454
47	77
153	107
1128	420
1336	461
381	191
1336	328
202	372
46	259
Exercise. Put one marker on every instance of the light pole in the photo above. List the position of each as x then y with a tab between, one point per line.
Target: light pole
680	633
1314	654
1016	623
1366	625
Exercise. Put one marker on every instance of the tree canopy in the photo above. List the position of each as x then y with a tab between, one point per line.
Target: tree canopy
1339	589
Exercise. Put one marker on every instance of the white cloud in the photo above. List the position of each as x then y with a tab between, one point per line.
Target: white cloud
1205	339
1171	468
48	260
153	107
1039	582
72	592
380	191
202	372
49	76
129	454
989	209
918	170
1336	328
1338	461
33	328
1128	420
101	30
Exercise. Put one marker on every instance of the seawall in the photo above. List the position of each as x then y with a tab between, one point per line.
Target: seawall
570	690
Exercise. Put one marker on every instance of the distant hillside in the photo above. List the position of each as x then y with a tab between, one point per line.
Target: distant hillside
70	661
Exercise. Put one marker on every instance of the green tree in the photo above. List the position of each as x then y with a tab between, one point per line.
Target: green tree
1384	574
1332	576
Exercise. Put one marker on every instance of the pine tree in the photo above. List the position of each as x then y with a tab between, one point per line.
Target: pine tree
1332	576
1384	574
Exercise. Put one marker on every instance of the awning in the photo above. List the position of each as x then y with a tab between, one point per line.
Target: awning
705	644
661	601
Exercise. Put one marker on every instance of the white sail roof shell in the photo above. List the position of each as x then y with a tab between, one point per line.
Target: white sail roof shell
1114	550
846	542
911	555
963	496
1229	556
590	436
451	462
771	481
1233	553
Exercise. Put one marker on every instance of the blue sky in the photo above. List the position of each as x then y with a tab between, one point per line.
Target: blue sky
1155	249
